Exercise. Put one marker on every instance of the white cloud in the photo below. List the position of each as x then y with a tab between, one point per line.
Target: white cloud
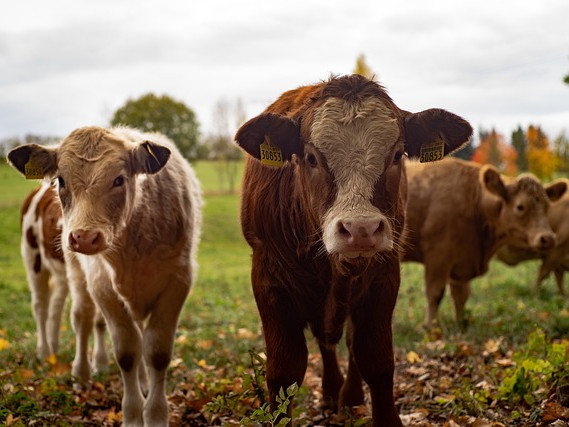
68	63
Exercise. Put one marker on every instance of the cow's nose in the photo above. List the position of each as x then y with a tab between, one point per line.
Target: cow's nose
546	241
361	234
86	242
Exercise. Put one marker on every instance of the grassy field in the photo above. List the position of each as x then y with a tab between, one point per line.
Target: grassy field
441	376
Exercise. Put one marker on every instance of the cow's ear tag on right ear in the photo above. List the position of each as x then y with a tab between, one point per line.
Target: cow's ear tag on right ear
270	154
33	170
433	151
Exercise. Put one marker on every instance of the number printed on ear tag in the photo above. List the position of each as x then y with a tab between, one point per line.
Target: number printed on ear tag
33	170
270	155
432	152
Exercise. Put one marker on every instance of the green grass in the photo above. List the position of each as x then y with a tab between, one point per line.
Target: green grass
220	323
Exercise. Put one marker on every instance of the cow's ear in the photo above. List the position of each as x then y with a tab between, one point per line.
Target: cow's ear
556	189
34	161
435	126
149	157
492	181
270	138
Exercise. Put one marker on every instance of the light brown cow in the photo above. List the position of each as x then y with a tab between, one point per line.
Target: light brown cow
323	209
460	213
131	219
48	278
555	259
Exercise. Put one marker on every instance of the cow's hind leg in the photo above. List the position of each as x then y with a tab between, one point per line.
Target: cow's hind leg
40	290
460	291
559	271
59	291
352	392
332	378
158	344
100	359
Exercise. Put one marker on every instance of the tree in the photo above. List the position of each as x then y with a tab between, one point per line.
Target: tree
493	150
520	144
151	113
541	160
561	152
220	142
363	69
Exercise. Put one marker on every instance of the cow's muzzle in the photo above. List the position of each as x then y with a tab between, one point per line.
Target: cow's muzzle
87	242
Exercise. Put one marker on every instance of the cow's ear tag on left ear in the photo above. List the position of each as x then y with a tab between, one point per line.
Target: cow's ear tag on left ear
270	154
33	170
433	151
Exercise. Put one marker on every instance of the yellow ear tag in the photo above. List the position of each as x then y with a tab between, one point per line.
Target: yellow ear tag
433	151
33	170
270	154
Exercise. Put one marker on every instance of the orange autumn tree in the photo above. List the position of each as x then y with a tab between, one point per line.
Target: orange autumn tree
493	150
541	161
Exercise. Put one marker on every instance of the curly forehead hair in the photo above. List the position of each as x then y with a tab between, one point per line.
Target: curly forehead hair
530	185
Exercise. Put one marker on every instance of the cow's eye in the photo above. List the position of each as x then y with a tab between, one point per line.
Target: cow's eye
397	157
119	181
61	182
520	207
311	159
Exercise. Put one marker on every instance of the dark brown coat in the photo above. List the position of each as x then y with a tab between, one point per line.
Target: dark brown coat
325	229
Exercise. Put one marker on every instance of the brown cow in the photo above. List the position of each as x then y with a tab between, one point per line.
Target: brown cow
324	217
460	213
131	219
555	259
48	279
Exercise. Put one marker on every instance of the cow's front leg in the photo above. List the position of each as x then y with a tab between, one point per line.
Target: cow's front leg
127	345
283	329
372	347
82	312
158	343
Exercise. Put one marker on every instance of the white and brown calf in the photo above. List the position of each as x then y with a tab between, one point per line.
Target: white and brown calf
50	277
45	268
131	220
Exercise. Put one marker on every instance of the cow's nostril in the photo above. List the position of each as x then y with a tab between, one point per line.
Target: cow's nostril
342	229
380	228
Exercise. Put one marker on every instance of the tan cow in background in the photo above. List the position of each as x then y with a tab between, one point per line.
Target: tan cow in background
460	213
555	259
131	219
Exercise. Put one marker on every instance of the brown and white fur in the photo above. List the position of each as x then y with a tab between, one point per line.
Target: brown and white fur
131	220
325	229
50	277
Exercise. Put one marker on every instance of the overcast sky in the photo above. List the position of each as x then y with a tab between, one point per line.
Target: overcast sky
71	63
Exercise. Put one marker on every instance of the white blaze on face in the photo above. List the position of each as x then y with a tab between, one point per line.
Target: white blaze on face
355	139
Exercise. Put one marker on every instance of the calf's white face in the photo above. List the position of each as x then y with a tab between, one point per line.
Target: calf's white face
358	142
97	173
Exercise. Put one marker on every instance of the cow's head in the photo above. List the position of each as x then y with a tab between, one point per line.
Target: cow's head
346	145
96	172
520	208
